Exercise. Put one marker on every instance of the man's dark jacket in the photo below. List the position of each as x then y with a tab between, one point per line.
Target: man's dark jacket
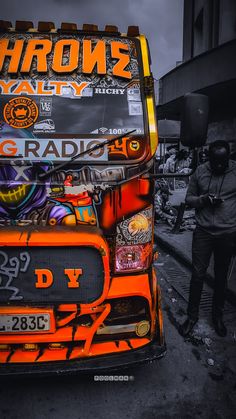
214	219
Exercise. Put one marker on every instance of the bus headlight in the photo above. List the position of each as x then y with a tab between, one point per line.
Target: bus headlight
132	258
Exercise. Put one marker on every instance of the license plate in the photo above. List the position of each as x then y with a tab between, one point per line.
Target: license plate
28	323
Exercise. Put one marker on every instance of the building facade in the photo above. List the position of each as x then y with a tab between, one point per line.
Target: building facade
208	67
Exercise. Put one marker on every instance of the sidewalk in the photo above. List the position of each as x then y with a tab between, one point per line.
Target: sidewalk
180	245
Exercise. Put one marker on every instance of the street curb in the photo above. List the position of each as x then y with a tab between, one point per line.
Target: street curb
181	256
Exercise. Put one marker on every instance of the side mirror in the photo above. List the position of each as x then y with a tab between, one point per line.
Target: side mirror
194	120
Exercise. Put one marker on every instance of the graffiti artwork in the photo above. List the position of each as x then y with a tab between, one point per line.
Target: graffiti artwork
67	202
10	269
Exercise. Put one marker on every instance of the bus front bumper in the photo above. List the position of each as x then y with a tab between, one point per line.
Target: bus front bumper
119	361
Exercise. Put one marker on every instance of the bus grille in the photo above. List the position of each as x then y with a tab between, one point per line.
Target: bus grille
55	274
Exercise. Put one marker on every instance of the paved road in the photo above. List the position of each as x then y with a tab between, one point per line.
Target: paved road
196	379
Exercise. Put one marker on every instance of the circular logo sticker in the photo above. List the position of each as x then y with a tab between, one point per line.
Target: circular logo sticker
134	145
20	112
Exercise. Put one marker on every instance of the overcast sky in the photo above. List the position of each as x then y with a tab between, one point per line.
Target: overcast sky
160	20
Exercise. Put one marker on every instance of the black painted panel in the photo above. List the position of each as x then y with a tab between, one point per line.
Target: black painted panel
18	278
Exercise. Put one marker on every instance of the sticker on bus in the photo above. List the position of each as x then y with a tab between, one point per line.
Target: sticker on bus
52	149
135	108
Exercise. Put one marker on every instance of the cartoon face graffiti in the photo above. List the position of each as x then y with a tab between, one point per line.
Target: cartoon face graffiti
22	197
17	191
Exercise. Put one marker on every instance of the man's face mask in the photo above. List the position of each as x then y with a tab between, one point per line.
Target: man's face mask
219	160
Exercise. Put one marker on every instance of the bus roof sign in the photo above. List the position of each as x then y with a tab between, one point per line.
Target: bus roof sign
50	54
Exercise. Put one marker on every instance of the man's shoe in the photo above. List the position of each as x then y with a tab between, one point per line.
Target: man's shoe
187	326
219	326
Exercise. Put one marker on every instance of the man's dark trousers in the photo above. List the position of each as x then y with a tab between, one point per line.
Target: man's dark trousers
204	244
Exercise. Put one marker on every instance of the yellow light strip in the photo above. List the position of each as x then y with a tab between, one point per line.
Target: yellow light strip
151	111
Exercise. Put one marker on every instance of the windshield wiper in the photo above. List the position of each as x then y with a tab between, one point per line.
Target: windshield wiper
89	151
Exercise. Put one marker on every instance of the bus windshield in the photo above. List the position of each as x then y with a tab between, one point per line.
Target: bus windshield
83	87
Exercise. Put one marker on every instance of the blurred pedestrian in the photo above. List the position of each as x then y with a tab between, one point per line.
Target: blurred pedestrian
203	156
212	192
183	162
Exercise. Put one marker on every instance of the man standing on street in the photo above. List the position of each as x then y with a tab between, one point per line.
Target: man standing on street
212	192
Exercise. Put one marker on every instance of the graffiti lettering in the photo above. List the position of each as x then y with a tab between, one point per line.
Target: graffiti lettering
93	56
73	275
9	271
42	88
44	278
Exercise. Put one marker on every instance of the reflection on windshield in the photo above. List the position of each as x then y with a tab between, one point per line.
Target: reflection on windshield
8	132
100	114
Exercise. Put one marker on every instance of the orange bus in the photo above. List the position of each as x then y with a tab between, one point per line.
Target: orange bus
78	136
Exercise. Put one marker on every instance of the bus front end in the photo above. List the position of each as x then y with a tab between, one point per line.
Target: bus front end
78	134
